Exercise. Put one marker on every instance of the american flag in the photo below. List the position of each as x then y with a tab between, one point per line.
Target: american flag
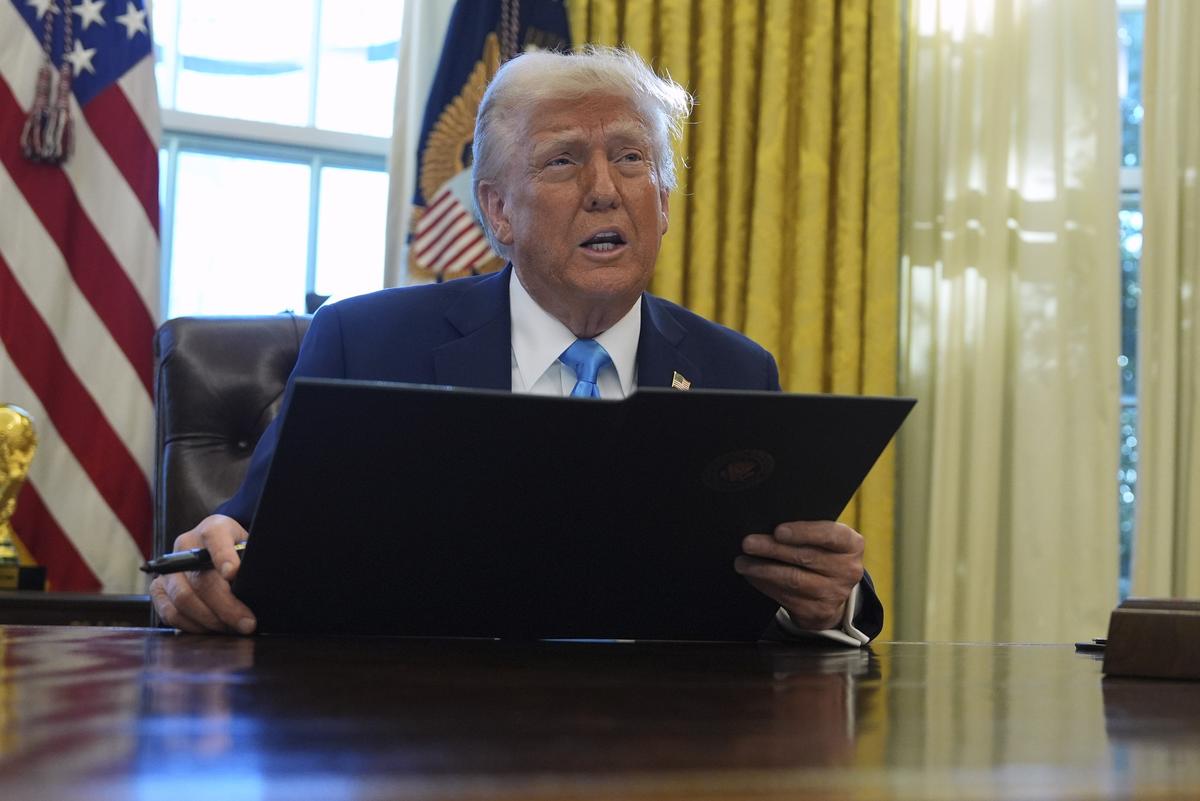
447	240
79	284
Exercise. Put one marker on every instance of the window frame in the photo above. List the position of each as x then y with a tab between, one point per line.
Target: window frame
190	132
220	136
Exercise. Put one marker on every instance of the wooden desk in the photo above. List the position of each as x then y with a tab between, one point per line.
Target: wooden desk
125	713
25	608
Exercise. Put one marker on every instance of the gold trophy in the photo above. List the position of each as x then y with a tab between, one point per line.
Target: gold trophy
18	441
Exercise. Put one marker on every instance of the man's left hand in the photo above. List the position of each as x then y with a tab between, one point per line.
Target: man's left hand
808	567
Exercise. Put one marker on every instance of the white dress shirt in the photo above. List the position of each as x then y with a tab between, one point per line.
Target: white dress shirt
538	339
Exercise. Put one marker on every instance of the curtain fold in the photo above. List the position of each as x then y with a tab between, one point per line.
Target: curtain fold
1010	322
422	35
1166	556
785	224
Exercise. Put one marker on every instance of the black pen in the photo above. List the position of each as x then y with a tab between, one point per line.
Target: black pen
177	562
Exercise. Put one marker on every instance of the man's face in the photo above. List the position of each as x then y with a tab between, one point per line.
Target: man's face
581	210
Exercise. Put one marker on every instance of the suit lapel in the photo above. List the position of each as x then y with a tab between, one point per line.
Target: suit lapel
482	357
659	357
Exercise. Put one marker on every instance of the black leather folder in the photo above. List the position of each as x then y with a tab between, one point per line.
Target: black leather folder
429	511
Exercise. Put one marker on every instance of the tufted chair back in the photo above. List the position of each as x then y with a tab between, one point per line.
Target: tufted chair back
218	383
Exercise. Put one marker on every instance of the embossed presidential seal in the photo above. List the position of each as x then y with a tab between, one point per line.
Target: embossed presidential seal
739	470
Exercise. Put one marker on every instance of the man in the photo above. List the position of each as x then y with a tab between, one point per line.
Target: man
572	175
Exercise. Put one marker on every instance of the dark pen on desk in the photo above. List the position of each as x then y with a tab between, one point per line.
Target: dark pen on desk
179	561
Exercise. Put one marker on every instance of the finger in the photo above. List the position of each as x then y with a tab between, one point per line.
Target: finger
807	614
169	613
788	579
845	566
824	534
218	535
219	600
184	597
813	602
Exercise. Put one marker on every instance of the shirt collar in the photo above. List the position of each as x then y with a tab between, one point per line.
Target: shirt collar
538	338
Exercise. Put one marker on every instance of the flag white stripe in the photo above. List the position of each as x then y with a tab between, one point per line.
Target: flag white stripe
108	549
19	61
87	345
138	85
434	214
454	250
461	222
432	243
115	211
470	257
454	217
108	200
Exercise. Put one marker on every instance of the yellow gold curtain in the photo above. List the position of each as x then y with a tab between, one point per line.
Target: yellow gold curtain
785	222
1166	555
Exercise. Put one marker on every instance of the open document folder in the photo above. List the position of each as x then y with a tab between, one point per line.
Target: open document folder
412	510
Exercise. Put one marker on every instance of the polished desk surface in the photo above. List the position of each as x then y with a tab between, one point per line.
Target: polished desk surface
126	713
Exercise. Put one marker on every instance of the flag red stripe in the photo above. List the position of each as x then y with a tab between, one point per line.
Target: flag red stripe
440	201
435	246
469	238
120	131
435	214
101	453
471	257
41	534
463	238
96	271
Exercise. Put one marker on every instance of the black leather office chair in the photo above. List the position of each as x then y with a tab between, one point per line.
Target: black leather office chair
218	383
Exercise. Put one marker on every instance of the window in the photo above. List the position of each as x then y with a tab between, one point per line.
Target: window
1129	35
277	116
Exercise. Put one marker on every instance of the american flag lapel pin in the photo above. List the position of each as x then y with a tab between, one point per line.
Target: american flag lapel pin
679	382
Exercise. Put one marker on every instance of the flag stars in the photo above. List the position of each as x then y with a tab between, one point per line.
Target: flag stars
134	20
89	12
43	7
81	58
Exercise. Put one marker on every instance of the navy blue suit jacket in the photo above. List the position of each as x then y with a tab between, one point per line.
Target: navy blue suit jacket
459	333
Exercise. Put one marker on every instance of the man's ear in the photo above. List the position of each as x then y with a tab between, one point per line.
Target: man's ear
491	205
665	197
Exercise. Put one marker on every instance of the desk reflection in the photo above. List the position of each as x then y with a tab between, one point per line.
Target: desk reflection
102	713
428	706
1153	726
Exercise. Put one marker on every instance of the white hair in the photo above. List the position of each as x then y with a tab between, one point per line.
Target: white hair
542	75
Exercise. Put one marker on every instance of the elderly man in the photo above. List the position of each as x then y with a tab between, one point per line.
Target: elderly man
572	176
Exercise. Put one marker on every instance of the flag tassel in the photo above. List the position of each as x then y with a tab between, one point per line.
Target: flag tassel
48	134
34	133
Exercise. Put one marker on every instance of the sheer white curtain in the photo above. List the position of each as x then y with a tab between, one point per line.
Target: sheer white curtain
421	38
1166	556
1010	322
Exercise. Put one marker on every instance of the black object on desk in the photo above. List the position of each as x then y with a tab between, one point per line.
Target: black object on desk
179	561
423	511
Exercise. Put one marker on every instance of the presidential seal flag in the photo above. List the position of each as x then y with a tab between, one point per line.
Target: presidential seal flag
79	246
445	241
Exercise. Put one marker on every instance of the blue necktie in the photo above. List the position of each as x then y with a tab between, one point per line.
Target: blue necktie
586	357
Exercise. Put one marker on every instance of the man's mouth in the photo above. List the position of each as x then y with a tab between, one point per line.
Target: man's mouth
603	242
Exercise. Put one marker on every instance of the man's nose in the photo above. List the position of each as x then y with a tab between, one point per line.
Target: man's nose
601	189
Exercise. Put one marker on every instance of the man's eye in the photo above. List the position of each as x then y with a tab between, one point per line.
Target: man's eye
631	157
561	161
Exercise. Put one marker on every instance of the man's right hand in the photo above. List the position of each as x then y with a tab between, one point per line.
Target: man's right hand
202	601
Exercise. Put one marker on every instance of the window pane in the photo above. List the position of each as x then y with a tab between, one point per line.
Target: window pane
1130	221
245	60
1130	80
164	23
350	234
1130	217
240	237
356	80
1127	494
